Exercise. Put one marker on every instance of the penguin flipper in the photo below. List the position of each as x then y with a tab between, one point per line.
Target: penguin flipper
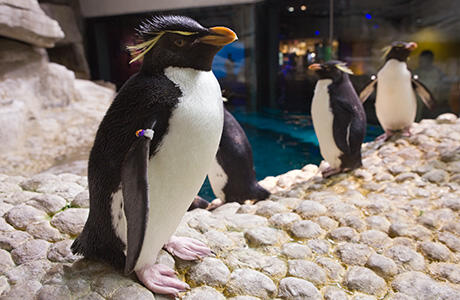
134	182
424	93
368	90
343	113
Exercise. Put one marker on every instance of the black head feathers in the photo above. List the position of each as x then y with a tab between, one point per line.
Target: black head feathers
157	24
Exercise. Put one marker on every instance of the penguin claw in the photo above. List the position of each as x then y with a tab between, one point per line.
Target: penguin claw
187	248
161	279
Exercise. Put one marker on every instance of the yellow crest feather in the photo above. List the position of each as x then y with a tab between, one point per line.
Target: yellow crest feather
344	68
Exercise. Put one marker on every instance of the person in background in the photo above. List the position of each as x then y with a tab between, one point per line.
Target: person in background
434	79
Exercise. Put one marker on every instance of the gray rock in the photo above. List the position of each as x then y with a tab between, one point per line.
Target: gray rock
25	290
43	230
25	21
268	208
435	251
251	283
295	288
5	226
81	200
447	118
347	234
306	229
406	258
382	265
375	238
240	222
436	176
421	286
211	271
227	209
309	209
327	223
55	292
6	262
334	293
307	270
16	198
60	252
70	221
4	286
450	240
319	246
243	298
265	236
296	251
338	210
22	215
218	241
34	270
48	203
333	268
30	251
400	296
353	254
203	223
448	271
366	281
133	292
78	286
166	259
203	292
92	296
107	284
273	267
12	239
284	220
4	207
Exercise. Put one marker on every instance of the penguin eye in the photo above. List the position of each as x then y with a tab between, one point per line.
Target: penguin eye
179	42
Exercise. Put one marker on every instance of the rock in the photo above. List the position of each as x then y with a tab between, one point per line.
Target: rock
378	223
22	215
166	259
347	234
406	258
5	226
81	200
6	262
306	229
70	221
25	21
107	284
240	222
296	251
436	176
211	271
334	293
422	286
25	290
218	241
204	292
227	209
268	208
265	236
447	118
435	251
318	246
43	230
450	240
307	270
12	239
203	223
92	296
295	288
33	270
448	271
60	252
251	283
284	220
366	281
327	223
4	286
133	292
51	204
382	265
309	209
353	254
332	267
30	251
54	292
375	238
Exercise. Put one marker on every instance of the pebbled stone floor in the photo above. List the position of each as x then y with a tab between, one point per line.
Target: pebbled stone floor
389	230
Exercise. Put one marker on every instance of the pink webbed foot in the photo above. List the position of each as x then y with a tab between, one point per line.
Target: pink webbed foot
330	171
406	132
161	279
187	248
388	134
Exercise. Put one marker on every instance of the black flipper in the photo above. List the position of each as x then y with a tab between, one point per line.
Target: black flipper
134	183
368	90
424	93
343	114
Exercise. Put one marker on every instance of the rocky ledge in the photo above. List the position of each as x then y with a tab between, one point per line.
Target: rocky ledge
389	230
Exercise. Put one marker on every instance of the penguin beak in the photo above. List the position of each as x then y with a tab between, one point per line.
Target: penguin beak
314	67
411	46
219	36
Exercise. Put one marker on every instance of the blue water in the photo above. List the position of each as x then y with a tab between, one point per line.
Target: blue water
280	142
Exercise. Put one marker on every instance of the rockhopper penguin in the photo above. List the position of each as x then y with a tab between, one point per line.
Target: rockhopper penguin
153	150
338	117
395	103
232	176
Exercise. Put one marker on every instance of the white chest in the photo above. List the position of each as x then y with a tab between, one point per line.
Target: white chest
396	104
323	123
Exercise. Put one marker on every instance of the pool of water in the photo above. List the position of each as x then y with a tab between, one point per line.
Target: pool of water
280	142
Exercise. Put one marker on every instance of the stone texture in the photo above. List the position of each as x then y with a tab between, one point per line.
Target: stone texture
70	221
203	292
306	229
366	281
295	288
307	270
422	286
251	283
30	251
23	215
210	271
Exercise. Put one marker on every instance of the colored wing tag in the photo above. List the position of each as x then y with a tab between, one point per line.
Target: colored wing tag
344	68
139	50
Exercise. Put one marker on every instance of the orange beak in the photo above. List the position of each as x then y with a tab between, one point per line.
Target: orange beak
314	67
220	36
411	46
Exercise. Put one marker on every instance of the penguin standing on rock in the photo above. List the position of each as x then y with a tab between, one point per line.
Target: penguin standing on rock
396	103
338	117
232	176
153	150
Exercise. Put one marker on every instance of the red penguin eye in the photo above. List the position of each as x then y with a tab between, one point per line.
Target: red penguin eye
179	42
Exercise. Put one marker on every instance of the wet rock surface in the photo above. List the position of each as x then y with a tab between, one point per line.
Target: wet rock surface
389	230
